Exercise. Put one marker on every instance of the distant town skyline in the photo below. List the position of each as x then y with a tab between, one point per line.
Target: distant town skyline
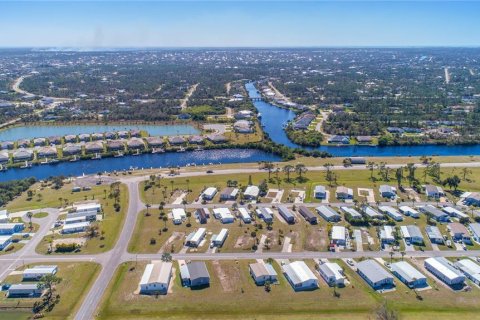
109	24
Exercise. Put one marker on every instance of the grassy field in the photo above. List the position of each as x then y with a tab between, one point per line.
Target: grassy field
77	278
233	295
111	224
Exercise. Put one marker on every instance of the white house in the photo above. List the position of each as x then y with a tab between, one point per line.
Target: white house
328	213
85	207
75	227
332	273
470	269
195	238
156	278
339	235
219	239
37	272
24	290
178	215
387	191
223	214
351	212
344	193
406	210
376	276
432	191
251	193
455	213
391	212
262	272
246	218
320	192
444	270
10	228
209	193
3	216
387	234
475	231
412	233
371	213
409	275
300	276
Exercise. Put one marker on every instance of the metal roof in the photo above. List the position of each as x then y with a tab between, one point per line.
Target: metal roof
373	271
407	271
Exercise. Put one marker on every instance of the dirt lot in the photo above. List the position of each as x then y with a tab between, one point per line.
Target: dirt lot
228	277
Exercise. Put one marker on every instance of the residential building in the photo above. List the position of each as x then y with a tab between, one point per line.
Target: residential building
376	276
459	232
387	234
195	238
75	227
470	269
432	191
37	272
86	207
445	271
387	191
194	274
178	215
406	210
409	275
202	215
229	194
371	213
344	193
209	193
266	214
300	276
5	241
332	273
475	231
339	236
219	239
156	278
434	234
24	290
455	213
4	216
223	214
472	199
286	214
244	215
435	213
412	234
10	228
354	214
328	214
339	139
319	192
307	214
391	212
251	193
262	272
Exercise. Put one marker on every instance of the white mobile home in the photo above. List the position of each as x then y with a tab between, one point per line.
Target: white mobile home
332	273
412	233
219	239
178	215
85	207
196	237
24	290
387	234
391	212
300	276
455	213
319	192
156	278
371	213
434	234
262	272
328	214
5	241
251	193
246	218
409	275
406	210
75	227
444	270
223	214
4	216
209	193
475	231
351	212
37	272
10	228
339	235
470	269
374	274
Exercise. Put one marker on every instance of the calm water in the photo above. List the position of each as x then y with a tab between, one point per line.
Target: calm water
274	117
30	132
142	161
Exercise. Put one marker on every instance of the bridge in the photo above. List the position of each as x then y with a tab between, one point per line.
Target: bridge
256	99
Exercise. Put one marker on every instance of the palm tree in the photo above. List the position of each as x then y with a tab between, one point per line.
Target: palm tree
171	183
165	219
189	214
403	254
287	170
148	207
269	166
391	255
188	187
300	169
30	216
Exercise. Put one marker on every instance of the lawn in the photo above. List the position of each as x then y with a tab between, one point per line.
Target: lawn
77	278
232	294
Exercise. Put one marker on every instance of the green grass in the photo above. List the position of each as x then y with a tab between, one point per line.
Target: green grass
40	215
77	278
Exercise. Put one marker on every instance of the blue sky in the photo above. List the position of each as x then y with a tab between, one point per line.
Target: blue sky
233	24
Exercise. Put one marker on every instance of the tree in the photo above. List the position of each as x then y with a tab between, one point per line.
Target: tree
48	283
399	176
403	253
148	207
385	313
30	216
452	182
165	219
269	166
329	175
92	231
371	167
287	170
411	173
166	257
300	169
189	214
465	173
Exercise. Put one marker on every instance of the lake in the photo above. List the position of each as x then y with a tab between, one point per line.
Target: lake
157	160
45	131
273	119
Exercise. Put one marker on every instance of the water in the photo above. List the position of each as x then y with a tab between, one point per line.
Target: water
157	160
30	132
273	119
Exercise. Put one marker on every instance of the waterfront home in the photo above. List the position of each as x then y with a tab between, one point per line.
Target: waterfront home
262	272
406	210
47	152
328	214
37	272
194	274
196	237
202	214
6	145
434	234
409	275
339	139
300	276
364	139
123	134
319	192
244	215
209	193
386	234
156	278
135	144
344	193
266	214
154	142
338	235
178	215
84	137
56	140
110	135
219	239
176	140
445	271
332	273
94	147
286	214
22	155
5	241
71	149
223	214
23	143
24	290
470	269
216	138
391	212
475	231
135	133
243	126
196	139
387	191
37	142
303	121
307	214
4	157
115	145
435	213
432	191
97	136
70	138
459	232
229	194
243	114
376	276
10	228
251	193
412	234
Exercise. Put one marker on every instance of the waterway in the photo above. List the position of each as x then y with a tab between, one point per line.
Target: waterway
146	161
36	131
274	118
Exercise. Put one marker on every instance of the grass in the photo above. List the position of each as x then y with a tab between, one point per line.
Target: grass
40	215
77	279
232	294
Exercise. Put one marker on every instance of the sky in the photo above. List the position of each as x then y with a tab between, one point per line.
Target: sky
228	23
